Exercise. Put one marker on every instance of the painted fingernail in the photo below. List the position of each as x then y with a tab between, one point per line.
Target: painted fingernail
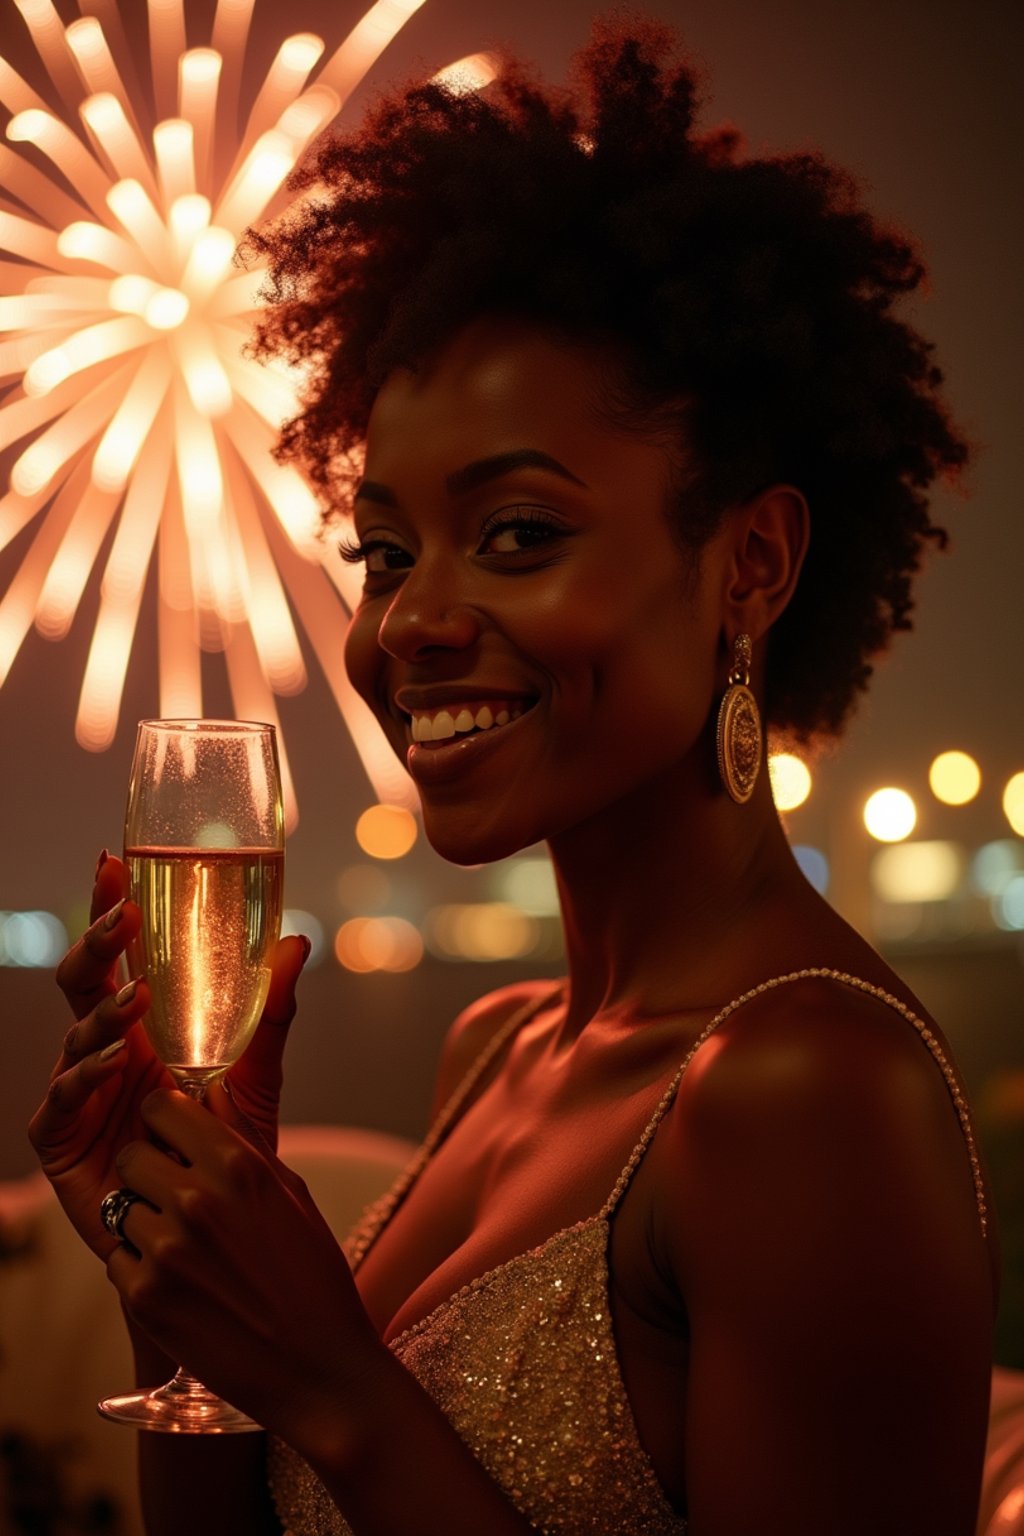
113	917
104	856
126	994
307	947
111	1049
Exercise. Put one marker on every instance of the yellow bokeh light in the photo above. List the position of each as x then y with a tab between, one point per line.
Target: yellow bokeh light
790	780
955	778
482	931
1013	803
386	831
890	815
366	944
927	871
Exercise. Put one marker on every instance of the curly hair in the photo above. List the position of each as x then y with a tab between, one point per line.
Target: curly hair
750	300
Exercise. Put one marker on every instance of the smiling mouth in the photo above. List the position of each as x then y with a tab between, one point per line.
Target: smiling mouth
444	725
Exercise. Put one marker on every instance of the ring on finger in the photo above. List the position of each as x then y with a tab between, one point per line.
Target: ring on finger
114	1207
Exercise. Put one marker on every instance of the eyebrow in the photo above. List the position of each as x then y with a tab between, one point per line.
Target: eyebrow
478	473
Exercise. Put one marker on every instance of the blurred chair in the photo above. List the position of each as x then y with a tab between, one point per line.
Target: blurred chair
63	1345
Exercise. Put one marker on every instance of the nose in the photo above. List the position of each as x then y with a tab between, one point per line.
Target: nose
427	614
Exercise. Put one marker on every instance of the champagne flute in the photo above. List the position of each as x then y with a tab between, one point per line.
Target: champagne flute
204	847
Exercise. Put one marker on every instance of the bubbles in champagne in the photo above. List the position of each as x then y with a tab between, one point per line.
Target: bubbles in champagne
210	918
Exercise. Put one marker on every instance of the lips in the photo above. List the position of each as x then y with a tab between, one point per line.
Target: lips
454	737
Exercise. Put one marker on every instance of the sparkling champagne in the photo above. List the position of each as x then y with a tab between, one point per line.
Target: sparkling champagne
210	918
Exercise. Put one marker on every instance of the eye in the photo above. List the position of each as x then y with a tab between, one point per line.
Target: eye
518	531
376	554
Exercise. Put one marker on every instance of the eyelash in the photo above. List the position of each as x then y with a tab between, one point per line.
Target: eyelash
355	551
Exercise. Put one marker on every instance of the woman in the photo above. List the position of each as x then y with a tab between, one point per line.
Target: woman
700	1237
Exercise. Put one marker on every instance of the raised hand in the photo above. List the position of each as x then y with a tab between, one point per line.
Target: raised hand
232	1270
107	1066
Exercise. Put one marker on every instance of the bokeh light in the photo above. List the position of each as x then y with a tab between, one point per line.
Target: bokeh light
890	815
814	865
790	779
386	831
366	944
995	864
955	778
1008	907
527	883
31	939
481	931
918	872
1013	803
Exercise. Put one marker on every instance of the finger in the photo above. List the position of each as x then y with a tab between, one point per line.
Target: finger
286	967
182	1125
108	1021
109	885
68	1094
264	1052
150	1173
220	1101
86	972
138	1227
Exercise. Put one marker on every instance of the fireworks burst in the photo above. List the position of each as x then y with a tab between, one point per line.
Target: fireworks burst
122	326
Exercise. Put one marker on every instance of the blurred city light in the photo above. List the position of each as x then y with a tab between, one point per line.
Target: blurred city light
527	883
1013	803
995	864
814	865
890	815
790	779
918	872
955	778
31	939
481	931
378	944
386	831
1008	908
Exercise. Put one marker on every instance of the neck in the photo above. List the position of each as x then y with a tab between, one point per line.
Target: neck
664	896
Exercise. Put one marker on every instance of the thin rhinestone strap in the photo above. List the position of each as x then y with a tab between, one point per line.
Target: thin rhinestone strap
377	1215
952	1082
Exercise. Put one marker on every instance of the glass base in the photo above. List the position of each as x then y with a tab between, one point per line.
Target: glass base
182	1407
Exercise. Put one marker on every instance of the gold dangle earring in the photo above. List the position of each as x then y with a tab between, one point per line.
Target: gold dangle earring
739	728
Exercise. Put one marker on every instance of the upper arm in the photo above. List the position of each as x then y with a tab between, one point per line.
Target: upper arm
826	1237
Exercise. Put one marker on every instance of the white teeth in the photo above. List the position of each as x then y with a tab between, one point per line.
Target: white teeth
447	723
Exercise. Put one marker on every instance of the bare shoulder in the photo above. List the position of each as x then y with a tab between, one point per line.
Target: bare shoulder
827	1116
820	1036
474	1028
820	1219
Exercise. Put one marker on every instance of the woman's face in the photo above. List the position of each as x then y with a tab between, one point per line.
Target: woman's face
530	637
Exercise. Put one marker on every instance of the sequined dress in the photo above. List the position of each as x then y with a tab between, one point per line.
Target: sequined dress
523	1362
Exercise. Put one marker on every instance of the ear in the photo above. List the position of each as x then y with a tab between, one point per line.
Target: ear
769	540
